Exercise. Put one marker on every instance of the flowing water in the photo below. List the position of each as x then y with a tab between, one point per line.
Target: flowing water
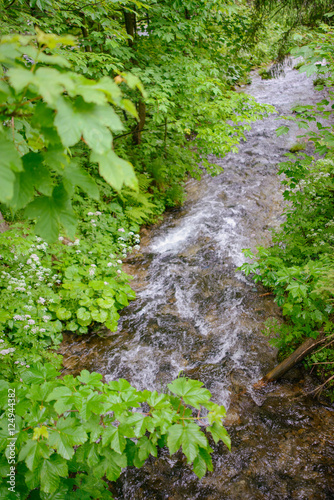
194	313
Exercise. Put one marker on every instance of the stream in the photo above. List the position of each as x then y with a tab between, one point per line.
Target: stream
196	315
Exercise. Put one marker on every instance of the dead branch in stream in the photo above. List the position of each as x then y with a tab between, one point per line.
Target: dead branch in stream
306	348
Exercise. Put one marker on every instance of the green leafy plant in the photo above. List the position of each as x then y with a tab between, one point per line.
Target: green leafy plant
73	433
45	110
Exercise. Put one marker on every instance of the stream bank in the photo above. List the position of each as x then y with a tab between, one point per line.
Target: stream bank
195	314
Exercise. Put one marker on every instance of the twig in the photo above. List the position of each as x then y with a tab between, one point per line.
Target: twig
319	389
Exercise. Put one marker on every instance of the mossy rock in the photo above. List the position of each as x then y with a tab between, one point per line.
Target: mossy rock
297	147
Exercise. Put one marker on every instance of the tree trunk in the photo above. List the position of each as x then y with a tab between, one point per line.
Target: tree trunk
136	135
85	34
306	348
3	224
130	25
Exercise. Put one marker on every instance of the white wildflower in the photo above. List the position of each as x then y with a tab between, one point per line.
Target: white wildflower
7	351
121	230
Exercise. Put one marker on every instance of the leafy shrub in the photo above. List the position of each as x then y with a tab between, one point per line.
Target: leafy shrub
72	433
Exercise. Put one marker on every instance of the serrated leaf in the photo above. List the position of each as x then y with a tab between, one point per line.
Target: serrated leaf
111	465
51	471
76	176
33	452
202	462
146	448
282	130
116	171
189	436
78	119
191	391
10	162
113	437
93	379
219	432
68	433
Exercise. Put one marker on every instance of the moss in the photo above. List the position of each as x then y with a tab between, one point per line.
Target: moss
265	74
297	147
299	65
319	81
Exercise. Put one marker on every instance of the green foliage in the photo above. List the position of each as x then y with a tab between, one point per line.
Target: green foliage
45	289
299	266
72	126
45	110
93	430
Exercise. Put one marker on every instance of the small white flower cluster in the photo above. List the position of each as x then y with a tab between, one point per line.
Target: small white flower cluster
94	213
22	363
7	351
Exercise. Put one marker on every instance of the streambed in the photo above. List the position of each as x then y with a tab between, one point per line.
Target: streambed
194	313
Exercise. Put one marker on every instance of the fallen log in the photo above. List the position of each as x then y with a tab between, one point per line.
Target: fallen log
303	350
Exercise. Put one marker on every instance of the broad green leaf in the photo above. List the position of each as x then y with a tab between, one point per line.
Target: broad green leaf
43	209
33	452
105	303
84	317
116	171
112	437
50	212
111	465
219	432
78	119
10	162
282	130
68	433
93	379
146	448
63	313
51	471
94	403
189	436
202	462
191	391
76	176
